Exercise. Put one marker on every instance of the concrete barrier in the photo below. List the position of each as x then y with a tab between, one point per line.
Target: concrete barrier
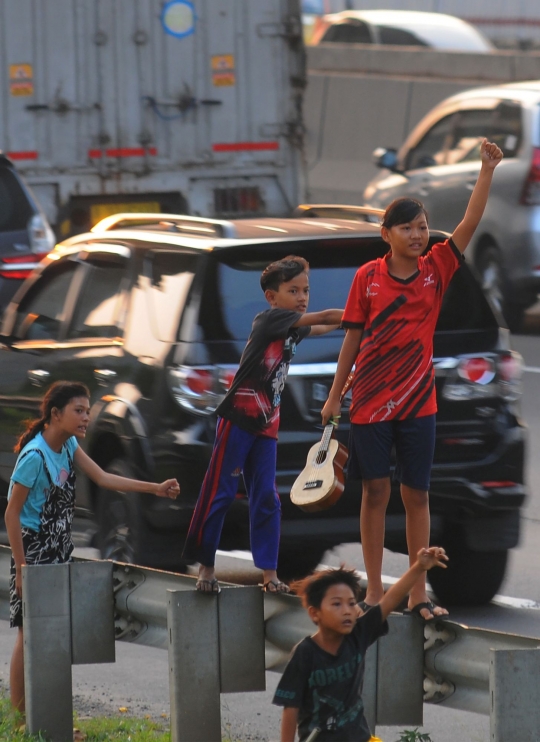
360	97
500	66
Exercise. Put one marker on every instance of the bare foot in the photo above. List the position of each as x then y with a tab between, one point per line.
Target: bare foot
206	582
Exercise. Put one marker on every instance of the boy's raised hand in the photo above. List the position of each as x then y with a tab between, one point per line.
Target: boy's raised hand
435	556
490	154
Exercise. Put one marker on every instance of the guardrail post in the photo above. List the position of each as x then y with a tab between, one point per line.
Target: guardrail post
47	651
216	645
68	616
400	673
513	685
192	620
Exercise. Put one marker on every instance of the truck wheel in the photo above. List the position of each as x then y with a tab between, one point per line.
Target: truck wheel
121	527
295	563
472	577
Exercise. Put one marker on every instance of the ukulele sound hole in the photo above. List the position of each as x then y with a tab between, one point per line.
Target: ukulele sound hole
313	485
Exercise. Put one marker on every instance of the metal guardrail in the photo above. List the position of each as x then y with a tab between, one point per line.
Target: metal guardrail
458	661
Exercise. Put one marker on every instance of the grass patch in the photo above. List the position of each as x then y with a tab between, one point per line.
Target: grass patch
99	729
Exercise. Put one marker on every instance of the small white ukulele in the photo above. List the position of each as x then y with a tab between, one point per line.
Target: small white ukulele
321	483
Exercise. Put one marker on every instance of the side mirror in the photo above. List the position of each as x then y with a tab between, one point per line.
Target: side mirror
385	158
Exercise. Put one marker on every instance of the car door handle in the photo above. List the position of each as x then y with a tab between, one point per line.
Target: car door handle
104	375
38	376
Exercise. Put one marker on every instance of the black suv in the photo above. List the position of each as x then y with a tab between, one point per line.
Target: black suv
25	235
153	311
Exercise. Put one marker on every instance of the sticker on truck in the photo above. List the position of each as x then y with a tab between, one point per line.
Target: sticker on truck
223	73
21	79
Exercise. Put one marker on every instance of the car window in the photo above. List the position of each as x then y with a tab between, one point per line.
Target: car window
352	32
501	125
398	36
41	311
232	295
15	208
469	130
431	149
158	299
98	313
507	127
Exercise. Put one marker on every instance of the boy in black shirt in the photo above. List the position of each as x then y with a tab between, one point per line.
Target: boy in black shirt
321	685
248	422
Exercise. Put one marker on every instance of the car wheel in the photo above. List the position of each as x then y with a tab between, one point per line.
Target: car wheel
295	563
493	282
121	528
471	578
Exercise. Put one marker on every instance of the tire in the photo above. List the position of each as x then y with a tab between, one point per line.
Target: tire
121	529
295	563
495	286
471	578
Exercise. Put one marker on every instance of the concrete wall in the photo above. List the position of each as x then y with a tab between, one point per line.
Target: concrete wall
362	97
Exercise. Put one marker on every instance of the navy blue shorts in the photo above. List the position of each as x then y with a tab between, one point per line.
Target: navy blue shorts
370	448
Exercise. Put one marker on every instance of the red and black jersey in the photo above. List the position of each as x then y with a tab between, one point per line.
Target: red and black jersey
253	401
394	376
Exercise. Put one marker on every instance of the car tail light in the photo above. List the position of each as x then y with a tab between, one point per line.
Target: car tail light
479	370
482	376
200	389
20	266
40	234
530	195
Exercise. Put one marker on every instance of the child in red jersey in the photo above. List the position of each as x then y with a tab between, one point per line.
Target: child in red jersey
390	317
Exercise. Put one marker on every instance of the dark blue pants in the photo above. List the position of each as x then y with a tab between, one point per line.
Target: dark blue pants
237	452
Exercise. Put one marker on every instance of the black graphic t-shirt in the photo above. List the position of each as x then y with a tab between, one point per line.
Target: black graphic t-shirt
326	688
253	400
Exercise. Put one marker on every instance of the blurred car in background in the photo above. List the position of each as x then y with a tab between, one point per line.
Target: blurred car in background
25	235
439	164
153	312
400	28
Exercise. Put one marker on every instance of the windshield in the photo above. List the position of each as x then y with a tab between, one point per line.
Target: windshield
233	296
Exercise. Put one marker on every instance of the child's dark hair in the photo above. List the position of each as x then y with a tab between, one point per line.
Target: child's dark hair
57	395
313	588
282	271
402	211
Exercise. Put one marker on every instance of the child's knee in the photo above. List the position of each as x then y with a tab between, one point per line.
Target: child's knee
375	491
414	498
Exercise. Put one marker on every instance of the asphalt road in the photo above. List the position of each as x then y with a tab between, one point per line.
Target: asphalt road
139	679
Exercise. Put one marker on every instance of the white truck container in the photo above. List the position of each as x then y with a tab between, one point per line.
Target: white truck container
144	105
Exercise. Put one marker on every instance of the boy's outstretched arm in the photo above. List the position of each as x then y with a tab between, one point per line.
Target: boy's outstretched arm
491	156
325	317
289	722
435	556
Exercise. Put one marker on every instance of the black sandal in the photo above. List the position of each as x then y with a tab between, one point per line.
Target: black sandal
365	607
415	611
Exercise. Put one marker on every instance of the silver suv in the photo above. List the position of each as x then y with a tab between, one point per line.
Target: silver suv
439	163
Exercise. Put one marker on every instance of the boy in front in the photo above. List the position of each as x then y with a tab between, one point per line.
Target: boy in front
321	686
248	422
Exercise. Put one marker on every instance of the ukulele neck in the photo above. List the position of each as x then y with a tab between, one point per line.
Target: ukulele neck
326	437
